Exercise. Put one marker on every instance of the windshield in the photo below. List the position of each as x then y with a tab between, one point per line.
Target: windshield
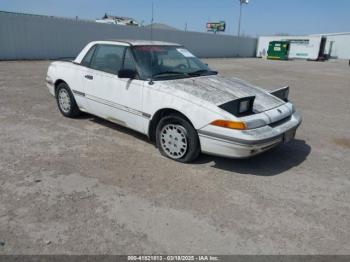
168	62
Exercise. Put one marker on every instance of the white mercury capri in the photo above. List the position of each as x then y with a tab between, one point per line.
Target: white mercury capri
162	90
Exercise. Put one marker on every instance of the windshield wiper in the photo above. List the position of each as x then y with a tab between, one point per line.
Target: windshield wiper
203	72
169	73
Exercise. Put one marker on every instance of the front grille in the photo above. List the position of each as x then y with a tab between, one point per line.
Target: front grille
280	122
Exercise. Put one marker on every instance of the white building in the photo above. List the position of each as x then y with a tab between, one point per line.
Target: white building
337	45
311	47
117	20
303	47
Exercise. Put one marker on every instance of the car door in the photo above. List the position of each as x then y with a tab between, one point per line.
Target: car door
117	100
82	79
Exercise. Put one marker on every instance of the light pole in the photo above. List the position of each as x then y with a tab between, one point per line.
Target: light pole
241	2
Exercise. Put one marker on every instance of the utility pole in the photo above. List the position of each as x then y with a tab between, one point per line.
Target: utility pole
152	21
241	2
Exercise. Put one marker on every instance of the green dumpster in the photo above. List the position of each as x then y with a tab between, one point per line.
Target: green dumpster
278	50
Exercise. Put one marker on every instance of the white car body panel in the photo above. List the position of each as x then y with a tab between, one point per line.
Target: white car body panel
118	100
133	103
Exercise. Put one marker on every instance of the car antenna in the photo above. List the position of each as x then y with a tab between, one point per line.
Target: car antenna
152	21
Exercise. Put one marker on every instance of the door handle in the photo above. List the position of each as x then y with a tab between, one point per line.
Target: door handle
89	77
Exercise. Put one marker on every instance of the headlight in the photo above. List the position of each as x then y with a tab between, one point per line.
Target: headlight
230	124
240	107
282	93
244	106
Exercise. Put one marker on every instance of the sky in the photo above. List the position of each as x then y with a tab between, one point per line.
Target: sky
260	17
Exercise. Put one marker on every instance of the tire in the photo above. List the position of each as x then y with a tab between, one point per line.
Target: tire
66	102
177	139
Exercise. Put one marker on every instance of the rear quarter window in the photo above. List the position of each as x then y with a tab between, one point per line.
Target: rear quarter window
88	57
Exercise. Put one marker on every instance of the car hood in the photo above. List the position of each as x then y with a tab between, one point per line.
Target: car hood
220	90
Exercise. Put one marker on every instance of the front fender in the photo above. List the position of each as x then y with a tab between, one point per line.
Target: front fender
199	113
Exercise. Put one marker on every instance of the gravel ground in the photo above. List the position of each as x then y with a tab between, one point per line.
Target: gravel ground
88	186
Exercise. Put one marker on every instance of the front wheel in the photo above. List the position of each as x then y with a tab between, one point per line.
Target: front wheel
177	139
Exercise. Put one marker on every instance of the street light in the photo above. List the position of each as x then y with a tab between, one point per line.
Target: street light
241	2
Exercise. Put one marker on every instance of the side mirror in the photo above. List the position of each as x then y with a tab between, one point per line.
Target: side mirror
127	73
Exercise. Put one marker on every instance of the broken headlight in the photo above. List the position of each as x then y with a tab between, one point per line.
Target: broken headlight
239	107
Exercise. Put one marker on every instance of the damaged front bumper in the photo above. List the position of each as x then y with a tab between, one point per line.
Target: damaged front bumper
247	143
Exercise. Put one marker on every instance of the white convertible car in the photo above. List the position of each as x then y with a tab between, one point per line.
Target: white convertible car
162	90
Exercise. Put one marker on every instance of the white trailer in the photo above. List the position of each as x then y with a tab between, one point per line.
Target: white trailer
337	45
301	47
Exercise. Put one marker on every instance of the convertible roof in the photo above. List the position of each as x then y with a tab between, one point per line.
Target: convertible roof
143	42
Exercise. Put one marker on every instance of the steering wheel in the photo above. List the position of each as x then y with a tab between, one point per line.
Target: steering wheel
181	66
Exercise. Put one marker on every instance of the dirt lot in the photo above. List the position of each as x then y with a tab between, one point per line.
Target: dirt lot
87	186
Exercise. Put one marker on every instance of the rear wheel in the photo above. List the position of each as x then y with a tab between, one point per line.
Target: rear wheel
177	139
66	102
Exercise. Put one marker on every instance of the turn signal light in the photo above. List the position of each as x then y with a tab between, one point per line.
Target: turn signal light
230	124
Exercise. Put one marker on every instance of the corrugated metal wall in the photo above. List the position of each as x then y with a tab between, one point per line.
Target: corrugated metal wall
41	37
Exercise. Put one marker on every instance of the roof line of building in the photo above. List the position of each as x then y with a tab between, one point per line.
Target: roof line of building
330	34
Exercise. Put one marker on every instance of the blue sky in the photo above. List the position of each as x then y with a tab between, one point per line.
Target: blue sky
260	17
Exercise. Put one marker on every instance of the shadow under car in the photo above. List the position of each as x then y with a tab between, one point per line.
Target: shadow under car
270	163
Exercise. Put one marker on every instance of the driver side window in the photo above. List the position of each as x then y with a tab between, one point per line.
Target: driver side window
108	58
